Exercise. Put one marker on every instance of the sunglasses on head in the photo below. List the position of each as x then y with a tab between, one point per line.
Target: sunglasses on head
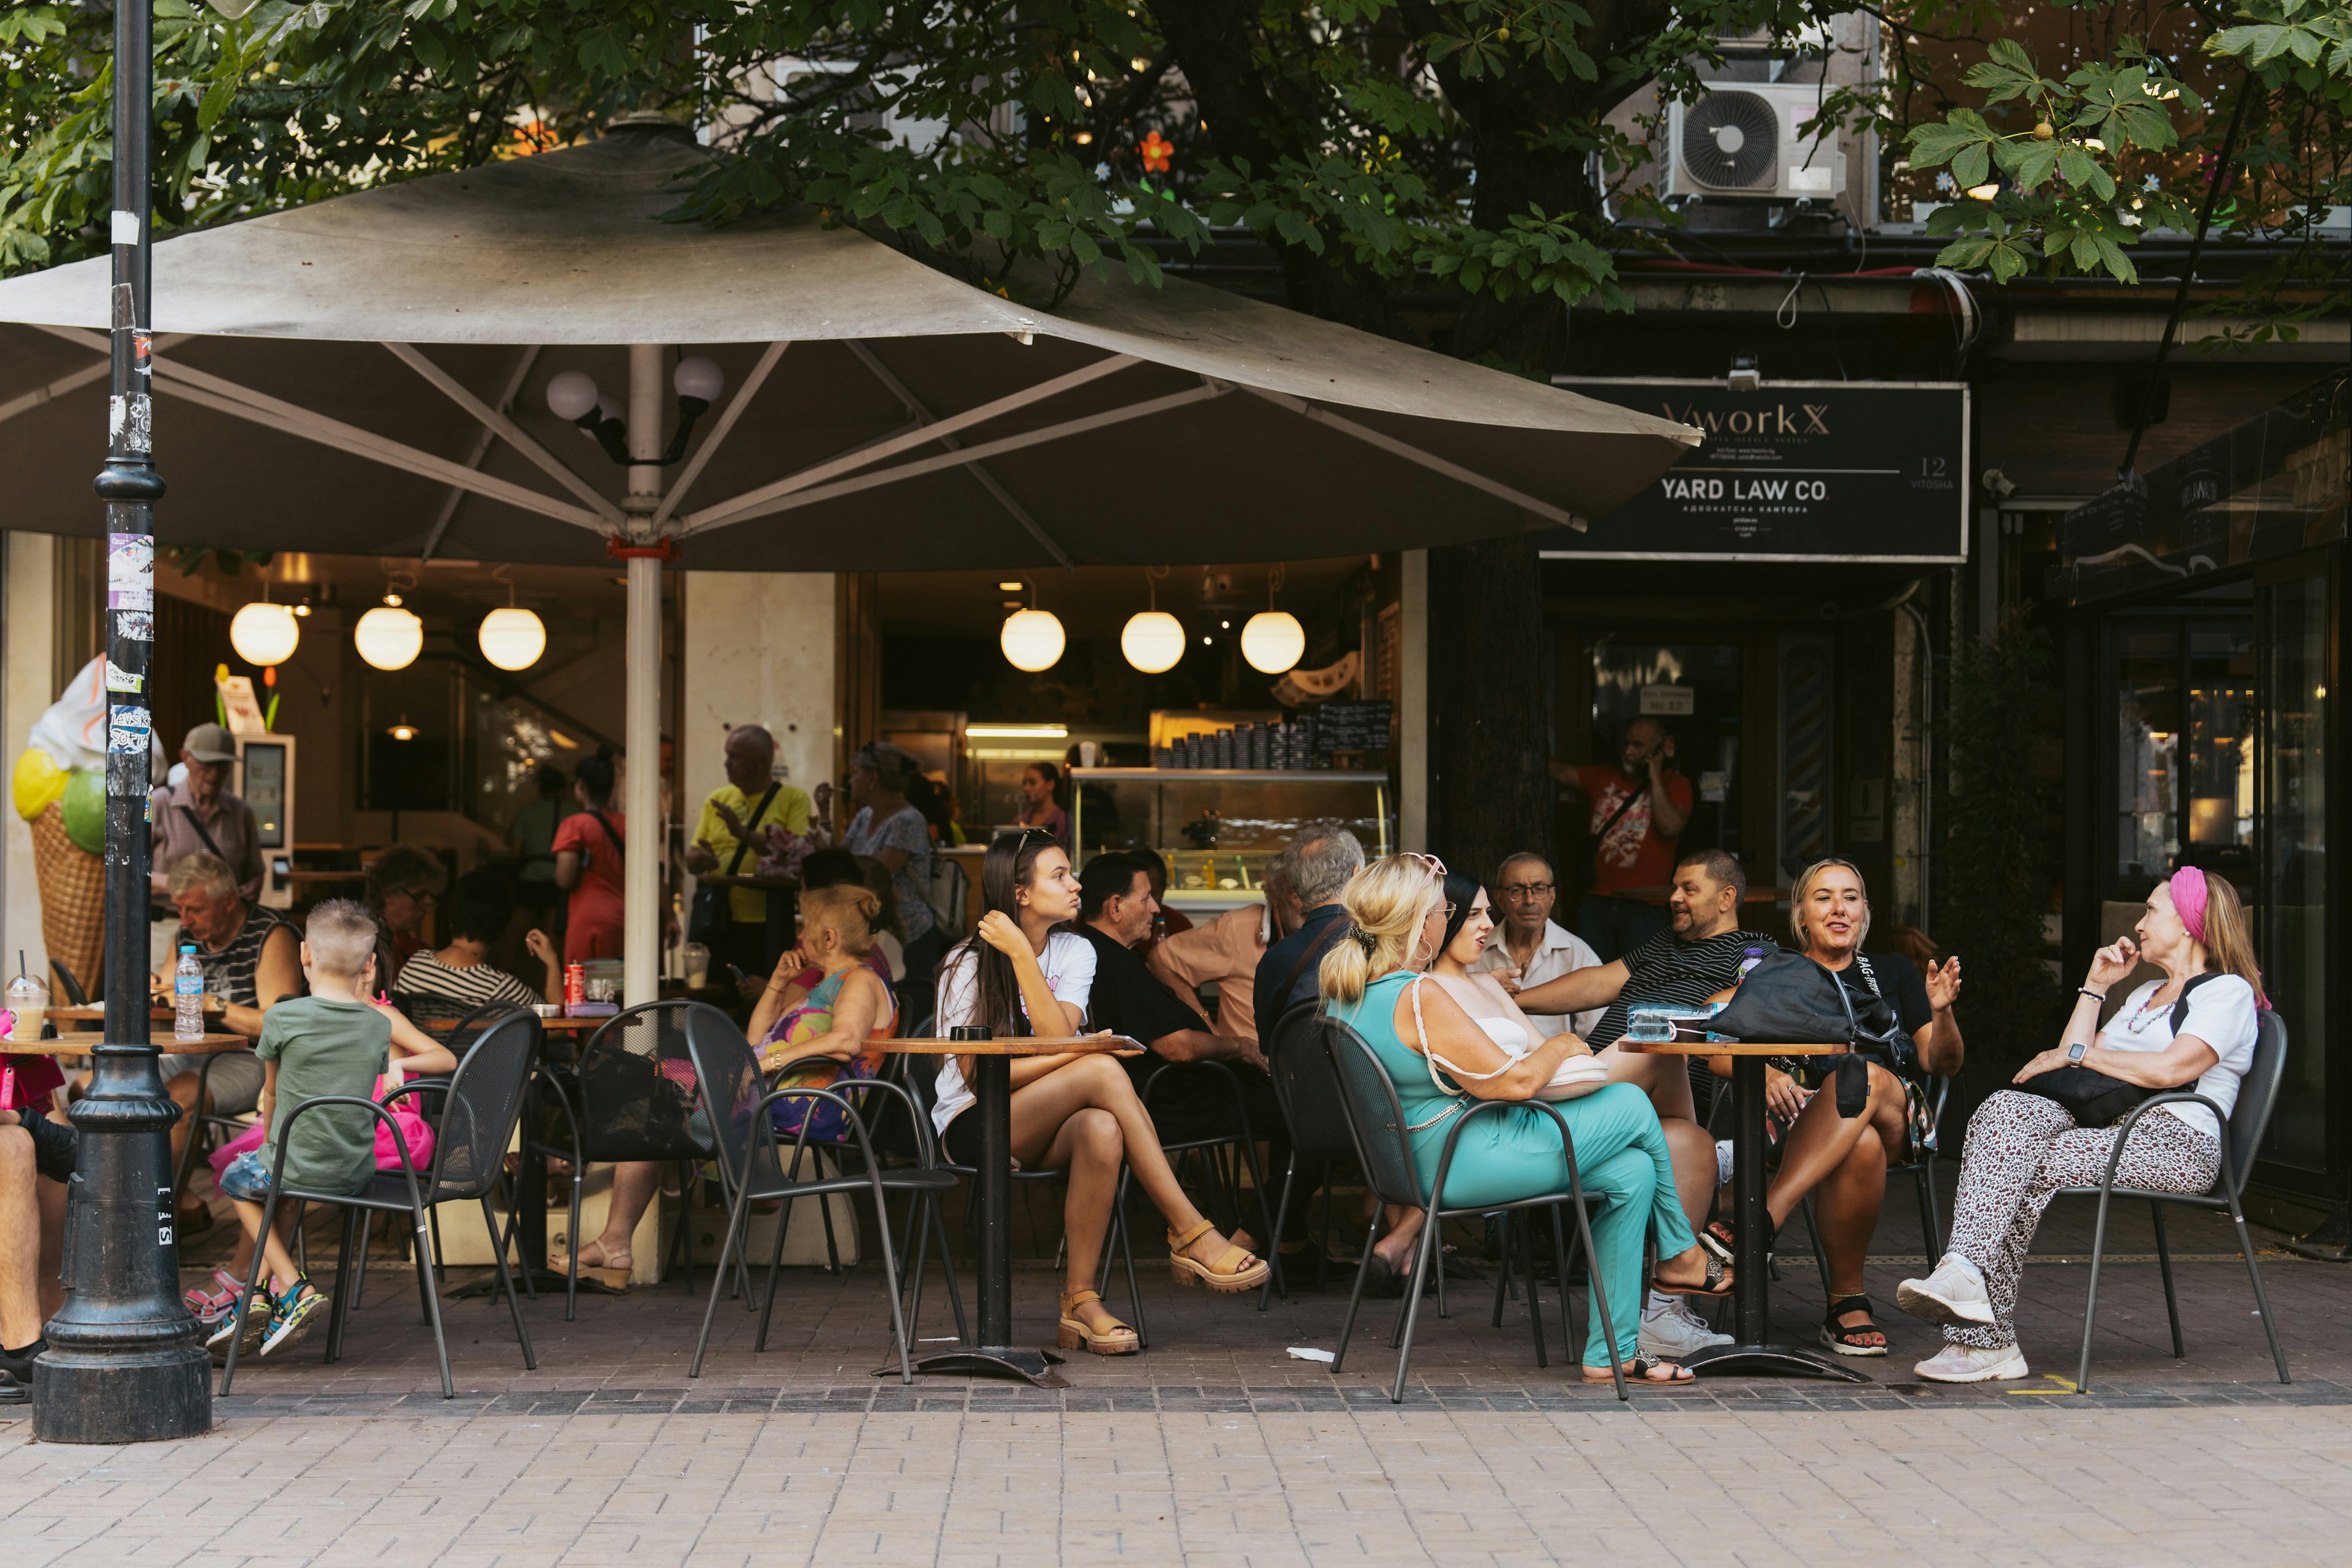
1436	867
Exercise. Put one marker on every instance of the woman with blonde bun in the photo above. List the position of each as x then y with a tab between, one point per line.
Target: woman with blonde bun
1441	1061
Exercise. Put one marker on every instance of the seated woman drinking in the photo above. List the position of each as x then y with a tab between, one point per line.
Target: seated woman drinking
2195	1026
1372	982
1076	1113
1871	1108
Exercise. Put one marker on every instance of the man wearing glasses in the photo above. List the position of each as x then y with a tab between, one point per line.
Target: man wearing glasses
1530	944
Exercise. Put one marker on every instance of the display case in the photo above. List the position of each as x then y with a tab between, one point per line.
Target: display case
1218	827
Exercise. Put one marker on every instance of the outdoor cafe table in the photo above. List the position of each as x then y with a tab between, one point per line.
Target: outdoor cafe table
91	1017
1751	1349
162	1039
993	1095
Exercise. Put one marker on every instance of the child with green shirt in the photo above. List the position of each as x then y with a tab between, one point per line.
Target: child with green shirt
331	1042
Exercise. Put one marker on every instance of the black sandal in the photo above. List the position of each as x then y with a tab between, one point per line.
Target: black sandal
1852	1340
1717	1281
1639	1369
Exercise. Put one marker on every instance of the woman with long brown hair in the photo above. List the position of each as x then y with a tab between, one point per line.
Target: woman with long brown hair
2195	1026
1076	1113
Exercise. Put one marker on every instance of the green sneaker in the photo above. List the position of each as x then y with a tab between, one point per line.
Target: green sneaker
290	1315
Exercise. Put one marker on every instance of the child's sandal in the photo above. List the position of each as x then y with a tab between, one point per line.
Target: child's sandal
1237	1269
1075	1333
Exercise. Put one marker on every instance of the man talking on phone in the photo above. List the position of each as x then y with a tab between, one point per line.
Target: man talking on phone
1640	806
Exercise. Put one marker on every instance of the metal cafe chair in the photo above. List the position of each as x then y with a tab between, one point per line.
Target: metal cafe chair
1226	1154
2242	1132
1314	1113
739	1103
483	1103
1384	1151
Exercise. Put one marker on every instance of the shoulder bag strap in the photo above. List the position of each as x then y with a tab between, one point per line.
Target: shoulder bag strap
2179	1003
744	843
1314	950
195	823
1623	807
618	845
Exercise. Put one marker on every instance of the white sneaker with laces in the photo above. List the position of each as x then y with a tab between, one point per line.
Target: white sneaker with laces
1966	1363
1672	1331
1954	1293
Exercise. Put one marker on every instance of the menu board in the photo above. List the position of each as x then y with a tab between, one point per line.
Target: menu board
1352	727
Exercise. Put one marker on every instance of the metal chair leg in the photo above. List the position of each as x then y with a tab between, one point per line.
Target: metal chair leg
506	1283
1535	1297
340	1306
1559	1261
2091	1304
1428	1256
1281	1218
422	1228
1503	1267
2164	1261
1356	1297
736	1215
2261	1297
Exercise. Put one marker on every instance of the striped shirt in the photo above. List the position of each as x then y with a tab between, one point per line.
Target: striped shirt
1684	973
229	972
425	975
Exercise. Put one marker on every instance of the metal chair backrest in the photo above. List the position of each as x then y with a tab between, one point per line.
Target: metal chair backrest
1383	1149
70	986
480	1108
733	1086
2258	1094
1306	1085
637	1087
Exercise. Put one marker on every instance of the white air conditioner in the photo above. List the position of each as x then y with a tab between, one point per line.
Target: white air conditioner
1741	140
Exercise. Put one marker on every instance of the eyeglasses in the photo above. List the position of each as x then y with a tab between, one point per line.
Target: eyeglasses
1449	910
1520	892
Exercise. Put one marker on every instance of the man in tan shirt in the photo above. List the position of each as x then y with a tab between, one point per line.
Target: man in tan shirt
1227	951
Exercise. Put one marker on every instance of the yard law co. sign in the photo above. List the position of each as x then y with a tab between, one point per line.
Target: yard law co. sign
1792	470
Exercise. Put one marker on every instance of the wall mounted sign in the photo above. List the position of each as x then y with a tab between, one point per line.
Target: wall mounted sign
1792	470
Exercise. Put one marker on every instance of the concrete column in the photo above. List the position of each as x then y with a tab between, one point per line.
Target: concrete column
759	648
28	684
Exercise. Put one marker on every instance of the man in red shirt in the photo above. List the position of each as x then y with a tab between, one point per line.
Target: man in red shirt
1639	807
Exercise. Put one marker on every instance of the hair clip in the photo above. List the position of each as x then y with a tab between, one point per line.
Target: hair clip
1366	941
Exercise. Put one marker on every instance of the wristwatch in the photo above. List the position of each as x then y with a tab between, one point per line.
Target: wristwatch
2074	1052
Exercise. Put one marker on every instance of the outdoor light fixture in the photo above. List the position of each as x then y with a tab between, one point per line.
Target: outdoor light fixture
1154	639
1032	640
572	394
264	634
1273	641
404	730
1018	731
388	636
512	638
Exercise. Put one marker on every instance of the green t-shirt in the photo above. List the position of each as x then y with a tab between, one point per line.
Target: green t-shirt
325	1048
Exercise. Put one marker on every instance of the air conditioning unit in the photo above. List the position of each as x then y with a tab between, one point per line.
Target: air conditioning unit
1741	140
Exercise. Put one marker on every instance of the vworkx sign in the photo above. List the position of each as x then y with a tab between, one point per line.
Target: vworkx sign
1792	470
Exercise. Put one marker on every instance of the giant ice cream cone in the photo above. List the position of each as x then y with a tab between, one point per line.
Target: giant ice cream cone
73	898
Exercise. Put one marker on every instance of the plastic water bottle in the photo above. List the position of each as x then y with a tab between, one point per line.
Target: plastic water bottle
188	996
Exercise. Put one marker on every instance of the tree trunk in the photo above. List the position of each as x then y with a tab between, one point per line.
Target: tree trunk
1491	740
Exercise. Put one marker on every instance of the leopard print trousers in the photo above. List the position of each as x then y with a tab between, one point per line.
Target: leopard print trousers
2022	1148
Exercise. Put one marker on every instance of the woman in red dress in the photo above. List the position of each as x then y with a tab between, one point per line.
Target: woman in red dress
589	846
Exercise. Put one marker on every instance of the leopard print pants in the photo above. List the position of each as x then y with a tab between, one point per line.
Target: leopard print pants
2022	1148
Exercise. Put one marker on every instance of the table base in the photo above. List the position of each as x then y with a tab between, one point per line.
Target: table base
1786	1360
983	1361
546	1281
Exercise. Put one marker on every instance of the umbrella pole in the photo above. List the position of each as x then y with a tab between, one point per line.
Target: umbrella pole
641	870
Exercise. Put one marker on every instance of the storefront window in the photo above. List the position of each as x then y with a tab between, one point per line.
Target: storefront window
2292	913
2184	744
1693	690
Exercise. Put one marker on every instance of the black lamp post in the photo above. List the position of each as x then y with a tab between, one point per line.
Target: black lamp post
123	1363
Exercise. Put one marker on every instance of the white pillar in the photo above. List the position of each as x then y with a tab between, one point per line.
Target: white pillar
641	881
28	684
1413	704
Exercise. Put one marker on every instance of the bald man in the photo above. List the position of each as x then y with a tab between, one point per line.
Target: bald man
726	842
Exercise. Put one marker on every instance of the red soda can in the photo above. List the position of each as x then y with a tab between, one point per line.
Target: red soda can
575	985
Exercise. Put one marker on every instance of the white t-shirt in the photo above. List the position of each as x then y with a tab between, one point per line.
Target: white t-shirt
1068	961
1560	952
2220	1013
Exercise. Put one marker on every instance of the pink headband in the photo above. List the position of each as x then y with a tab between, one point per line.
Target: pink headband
2188	887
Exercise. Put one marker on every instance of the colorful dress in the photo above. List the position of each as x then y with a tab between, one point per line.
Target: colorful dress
812	1018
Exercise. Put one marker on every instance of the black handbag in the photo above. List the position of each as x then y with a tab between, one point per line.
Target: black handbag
2095	1099
1788	999
712	915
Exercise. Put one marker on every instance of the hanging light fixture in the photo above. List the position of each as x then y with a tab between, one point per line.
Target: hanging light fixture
389	636
263	633
1153	640
1273	641
404	730
512	638
1032	638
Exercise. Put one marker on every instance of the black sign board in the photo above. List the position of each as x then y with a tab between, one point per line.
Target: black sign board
1351	726
1792	470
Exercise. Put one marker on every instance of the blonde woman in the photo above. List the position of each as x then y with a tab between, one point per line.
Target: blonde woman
1871	1109
2195	1028
1372	981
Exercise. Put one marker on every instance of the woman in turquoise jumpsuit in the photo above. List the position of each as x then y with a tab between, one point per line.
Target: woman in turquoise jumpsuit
1372	982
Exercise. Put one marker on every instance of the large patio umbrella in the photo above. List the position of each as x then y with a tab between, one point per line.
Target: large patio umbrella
369	375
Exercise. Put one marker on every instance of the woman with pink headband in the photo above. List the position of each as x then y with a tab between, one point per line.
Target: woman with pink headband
2193	1026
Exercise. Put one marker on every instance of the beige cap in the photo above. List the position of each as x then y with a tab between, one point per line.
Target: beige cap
209	743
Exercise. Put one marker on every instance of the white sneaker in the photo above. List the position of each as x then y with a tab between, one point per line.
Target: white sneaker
1954	1293
1673	1330
1966	1363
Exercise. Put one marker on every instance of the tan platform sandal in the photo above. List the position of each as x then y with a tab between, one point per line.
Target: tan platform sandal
1076	1334
1237	1269
604	1271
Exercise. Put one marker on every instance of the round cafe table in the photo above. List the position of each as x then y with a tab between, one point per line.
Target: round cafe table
162	1039
992	1103
1752	1349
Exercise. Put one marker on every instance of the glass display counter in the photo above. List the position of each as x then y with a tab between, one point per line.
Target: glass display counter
1218	827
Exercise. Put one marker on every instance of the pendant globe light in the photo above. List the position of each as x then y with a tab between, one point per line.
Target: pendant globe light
389	636
1153	640
512	638
264	634
1032	638
1273	641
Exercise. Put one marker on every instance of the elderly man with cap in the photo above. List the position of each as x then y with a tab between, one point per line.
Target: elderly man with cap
200	813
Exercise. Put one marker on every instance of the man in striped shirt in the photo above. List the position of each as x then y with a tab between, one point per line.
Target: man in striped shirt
461	973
